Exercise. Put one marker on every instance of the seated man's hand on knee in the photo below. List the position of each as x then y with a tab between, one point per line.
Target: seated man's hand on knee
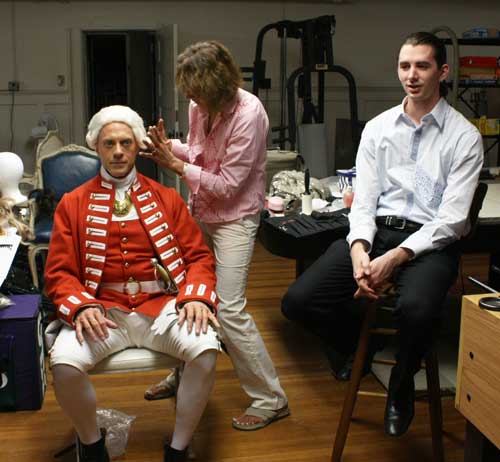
91	320
197	314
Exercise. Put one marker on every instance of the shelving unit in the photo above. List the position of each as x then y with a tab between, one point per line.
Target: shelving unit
475	41
465	87
494	273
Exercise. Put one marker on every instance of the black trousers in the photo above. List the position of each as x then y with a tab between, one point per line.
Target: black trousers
321	299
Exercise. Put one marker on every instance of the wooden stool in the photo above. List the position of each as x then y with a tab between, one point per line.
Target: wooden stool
433	387
431	362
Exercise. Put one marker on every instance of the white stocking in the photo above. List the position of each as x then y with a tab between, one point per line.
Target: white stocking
76	396
192	397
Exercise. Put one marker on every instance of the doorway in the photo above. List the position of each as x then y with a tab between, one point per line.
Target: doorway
121	69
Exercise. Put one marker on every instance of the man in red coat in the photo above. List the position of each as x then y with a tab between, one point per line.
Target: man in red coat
128	267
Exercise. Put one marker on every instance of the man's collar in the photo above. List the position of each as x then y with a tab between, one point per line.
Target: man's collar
437	113
120	183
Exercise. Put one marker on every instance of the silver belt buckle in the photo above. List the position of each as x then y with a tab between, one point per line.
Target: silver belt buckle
392	221
132	287
403	223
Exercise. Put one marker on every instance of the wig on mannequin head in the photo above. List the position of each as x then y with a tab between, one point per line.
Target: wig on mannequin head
111	114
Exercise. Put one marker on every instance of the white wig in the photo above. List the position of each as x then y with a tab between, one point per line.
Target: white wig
111	114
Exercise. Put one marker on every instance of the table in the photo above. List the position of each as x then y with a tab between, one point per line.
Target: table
308	246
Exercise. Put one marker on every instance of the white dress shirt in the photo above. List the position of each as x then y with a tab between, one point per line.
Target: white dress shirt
426	173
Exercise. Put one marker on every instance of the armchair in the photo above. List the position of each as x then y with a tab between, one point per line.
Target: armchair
58	172
49	144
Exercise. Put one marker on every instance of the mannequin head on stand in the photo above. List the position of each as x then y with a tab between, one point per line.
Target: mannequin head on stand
11	173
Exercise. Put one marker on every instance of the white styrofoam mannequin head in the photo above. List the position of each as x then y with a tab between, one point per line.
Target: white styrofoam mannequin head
11	173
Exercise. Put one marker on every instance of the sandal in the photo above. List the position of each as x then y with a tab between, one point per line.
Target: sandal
267	416
160	390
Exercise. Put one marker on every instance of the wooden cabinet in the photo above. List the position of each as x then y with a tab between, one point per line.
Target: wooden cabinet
478	381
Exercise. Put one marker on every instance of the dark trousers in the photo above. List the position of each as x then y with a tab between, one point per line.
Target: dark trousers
321	299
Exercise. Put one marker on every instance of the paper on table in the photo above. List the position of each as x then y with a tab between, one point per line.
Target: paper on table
8	249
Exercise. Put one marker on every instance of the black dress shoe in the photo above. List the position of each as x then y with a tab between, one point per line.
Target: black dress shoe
336	360
174	455
341	364
399	410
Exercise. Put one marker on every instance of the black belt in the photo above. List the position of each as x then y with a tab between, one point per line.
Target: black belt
392	221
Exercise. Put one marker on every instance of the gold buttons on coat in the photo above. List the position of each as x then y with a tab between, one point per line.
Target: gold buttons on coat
125	239
122	224
127	264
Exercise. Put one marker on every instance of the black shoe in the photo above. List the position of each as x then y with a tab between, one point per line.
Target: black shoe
399	409
173	455
95	452
341	364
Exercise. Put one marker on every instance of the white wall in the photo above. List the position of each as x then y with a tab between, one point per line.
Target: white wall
40	40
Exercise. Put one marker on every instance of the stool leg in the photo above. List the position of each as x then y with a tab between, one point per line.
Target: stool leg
435	411
353	387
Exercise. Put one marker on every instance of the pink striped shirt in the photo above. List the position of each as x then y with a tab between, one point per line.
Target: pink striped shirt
226	171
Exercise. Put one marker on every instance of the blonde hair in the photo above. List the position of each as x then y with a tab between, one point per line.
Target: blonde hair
7	217
207	70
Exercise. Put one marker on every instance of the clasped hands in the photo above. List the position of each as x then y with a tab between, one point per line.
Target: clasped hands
372	275
160	149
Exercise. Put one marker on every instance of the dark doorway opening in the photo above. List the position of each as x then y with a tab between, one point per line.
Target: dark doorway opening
121	69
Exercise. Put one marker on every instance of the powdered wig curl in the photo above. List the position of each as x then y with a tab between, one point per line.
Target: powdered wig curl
111	114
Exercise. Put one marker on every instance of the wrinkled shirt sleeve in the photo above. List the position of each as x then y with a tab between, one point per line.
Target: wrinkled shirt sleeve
364	208
237	162
180	150
450	222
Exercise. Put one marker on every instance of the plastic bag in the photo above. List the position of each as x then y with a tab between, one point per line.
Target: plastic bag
117	425
5	301
290	185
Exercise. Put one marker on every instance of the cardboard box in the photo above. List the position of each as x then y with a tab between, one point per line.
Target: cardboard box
480	61
469	72
488	126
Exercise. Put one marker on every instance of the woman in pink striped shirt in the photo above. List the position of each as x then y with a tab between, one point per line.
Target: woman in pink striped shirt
223	164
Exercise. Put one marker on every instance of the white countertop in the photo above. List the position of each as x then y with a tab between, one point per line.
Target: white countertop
491	204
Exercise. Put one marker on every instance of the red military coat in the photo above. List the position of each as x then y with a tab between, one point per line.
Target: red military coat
78	247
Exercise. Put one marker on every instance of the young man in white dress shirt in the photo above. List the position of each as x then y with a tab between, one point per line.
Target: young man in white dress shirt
417	169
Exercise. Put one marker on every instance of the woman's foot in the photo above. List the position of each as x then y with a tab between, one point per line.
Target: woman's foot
161	390
255	418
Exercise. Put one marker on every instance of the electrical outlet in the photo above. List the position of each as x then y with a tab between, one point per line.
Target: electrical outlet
13	85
